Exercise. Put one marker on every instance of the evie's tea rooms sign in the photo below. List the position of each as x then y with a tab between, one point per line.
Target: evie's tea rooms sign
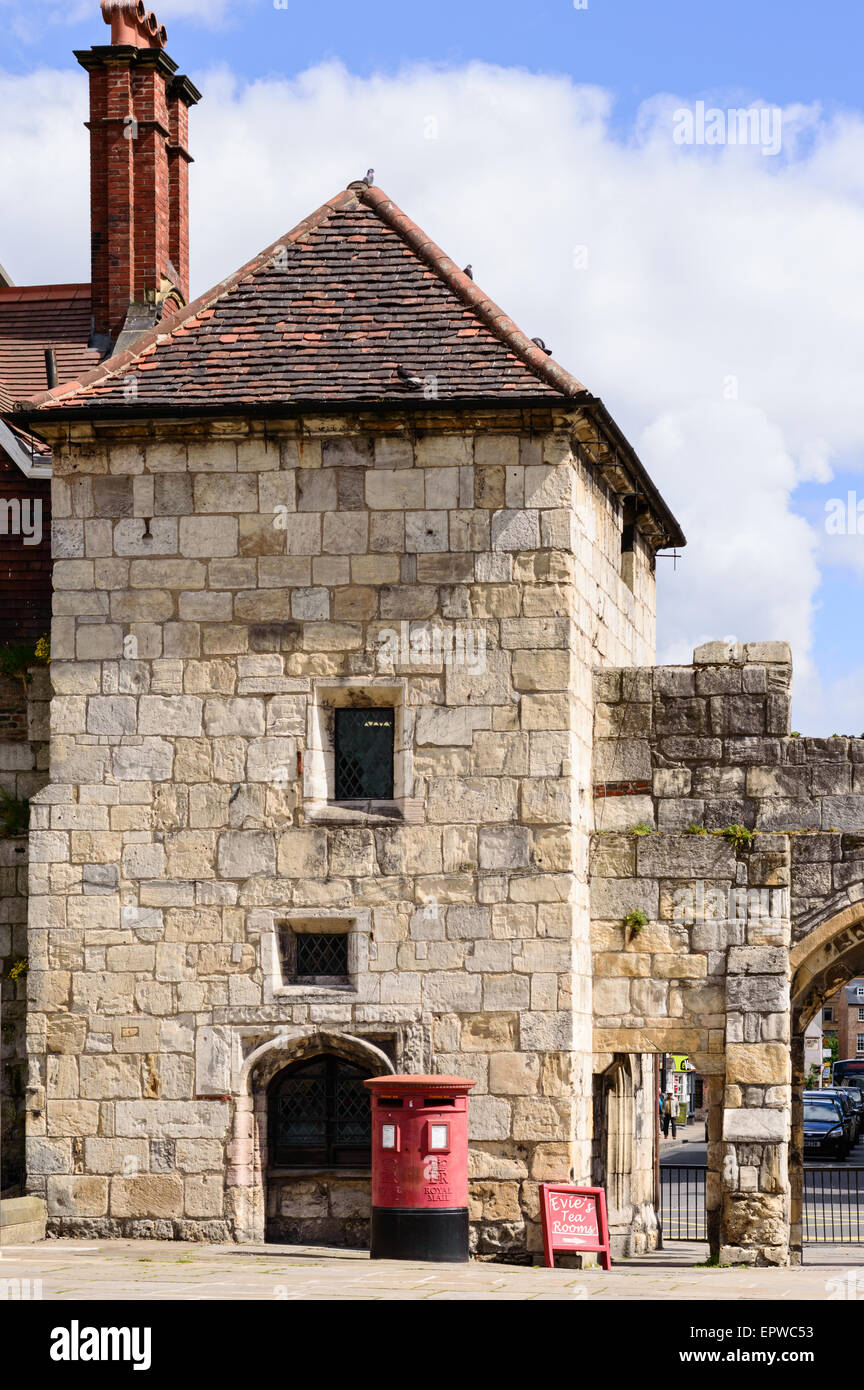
574	1219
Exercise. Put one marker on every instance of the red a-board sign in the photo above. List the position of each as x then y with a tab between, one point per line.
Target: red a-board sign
574	1220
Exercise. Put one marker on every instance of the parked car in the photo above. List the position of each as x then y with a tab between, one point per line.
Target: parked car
850	1109
847	1110
826	1128
856	1095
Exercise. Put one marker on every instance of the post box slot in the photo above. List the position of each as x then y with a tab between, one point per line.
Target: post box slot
391	1102
434	1102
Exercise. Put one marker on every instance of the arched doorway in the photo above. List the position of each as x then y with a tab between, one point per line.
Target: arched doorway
318	1121
300	1156
825	960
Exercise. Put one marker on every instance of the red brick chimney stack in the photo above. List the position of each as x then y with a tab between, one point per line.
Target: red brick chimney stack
139	175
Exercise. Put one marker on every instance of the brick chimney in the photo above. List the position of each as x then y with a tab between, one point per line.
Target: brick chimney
139	176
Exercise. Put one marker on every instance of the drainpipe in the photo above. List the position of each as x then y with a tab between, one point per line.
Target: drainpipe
50	368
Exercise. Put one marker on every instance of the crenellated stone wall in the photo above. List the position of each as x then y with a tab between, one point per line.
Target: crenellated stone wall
221	589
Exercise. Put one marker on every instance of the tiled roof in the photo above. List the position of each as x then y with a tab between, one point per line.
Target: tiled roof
33	318
330	313
37	448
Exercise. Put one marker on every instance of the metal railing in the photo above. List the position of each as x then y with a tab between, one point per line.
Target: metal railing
682	1202
832	1206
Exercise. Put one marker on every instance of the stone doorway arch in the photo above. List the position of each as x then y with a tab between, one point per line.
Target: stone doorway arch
250	1192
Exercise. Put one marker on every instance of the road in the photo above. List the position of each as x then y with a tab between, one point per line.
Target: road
689	1149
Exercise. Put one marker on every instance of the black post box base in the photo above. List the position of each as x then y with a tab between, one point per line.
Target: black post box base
412	1234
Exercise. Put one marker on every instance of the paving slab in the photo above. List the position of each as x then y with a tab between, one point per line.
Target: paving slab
67	1271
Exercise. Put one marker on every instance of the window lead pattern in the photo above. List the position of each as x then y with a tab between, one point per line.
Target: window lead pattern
364	754
320	1115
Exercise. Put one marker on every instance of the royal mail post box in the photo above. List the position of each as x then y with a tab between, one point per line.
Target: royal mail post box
419	1167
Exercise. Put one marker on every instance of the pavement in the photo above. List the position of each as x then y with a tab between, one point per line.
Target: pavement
70	1271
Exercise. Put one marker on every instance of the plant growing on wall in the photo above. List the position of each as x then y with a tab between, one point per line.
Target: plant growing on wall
643	828
737	835
635	921
14	814
17	657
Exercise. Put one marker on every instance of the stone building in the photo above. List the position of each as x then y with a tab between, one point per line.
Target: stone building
353	696
341	485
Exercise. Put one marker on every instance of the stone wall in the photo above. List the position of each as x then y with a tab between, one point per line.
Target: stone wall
733	840
220	590
23	771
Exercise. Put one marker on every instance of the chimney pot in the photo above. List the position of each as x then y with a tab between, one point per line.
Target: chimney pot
133	25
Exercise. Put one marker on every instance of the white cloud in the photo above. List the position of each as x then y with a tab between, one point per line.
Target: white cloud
720	315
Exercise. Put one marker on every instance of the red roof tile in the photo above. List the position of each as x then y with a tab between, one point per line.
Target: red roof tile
329	314
32	318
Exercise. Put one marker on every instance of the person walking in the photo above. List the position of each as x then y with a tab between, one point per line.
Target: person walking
670	1117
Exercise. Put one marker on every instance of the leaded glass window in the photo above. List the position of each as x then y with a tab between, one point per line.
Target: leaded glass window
319	1115
314	957
364	754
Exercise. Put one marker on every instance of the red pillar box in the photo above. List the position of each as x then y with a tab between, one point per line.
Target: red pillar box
419	1167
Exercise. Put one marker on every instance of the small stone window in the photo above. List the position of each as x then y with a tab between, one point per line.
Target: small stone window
364	743
861	1042
359	760
313	957
828	1016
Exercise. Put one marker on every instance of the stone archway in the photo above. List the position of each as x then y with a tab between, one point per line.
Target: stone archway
827	958
248	1167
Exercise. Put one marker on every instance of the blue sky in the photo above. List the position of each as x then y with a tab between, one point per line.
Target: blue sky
705	264
796	51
